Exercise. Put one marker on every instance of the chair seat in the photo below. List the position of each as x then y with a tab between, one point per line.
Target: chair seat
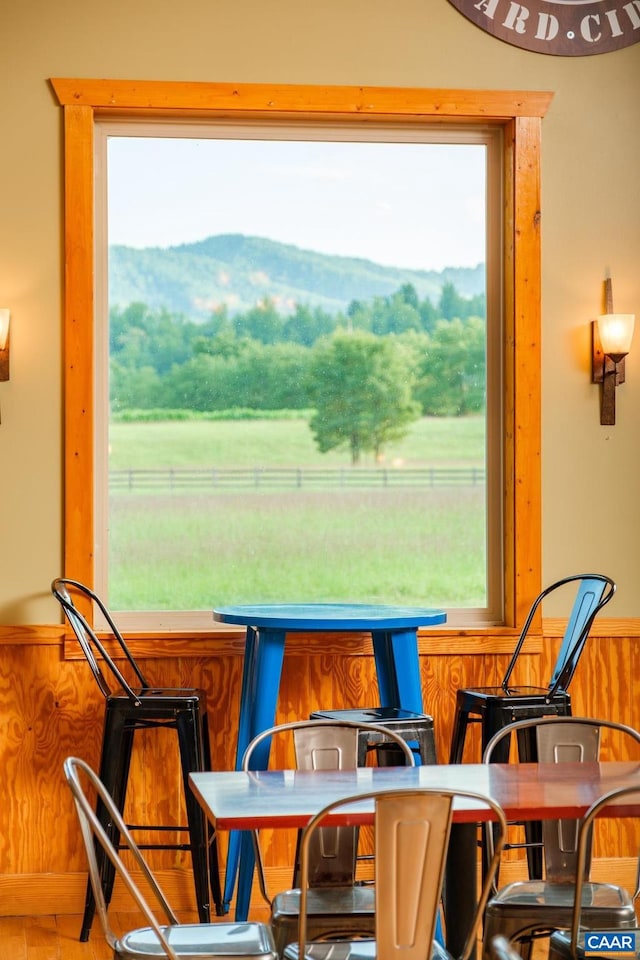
353	950
235	940
150	694
413	727
513	911
331	912
511	693
529	894
161	702
326	901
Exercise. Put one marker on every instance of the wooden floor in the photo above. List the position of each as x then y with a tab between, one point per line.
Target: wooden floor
56	938
51	938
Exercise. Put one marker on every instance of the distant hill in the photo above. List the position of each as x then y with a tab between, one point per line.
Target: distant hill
195	278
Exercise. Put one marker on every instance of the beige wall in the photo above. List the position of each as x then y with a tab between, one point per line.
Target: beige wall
591	224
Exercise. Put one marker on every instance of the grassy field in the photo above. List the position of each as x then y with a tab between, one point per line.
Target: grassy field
444	441
192	551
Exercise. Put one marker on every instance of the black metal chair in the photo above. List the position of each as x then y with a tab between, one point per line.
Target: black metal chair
496	707
142	707
161	938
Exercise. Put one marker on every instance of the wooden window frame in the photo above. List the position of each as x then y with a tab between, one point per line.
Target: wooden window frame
519	114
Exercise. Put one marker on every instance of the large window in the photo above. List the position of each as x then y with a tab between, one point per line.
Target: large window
281	501
294	360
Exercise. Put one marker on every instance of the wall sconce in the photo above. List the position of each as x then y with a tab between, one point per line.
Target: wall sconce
5	316
611	337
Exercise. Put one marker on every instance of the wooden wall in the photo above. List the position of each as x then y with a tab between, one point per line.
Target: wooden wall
51	708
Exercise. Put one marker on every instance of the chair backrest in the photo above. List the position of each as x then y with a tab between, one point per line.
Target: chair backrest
93	832
561	740
321	745
585	832
594	590
103	666
412	829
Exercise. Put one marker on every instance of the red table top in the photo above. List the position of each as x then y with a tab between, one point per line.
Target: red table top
547	791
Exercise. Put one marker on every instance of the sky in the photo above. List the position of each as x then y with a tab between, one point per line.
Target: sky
414	205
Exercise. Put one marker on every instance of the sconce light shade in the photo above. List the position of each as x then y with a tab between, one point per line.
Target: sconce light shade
616	333
5	316
611	342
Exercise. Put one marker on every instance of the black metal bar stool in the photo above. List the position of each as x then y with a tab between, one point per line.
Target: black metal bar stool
144	707
415	728
498	707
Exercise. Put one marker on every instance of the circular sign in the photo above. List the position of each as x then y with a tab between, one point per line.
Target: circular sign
566	28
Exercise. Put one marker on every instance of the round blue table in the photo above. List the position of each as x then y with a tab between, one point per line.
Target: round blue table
393	630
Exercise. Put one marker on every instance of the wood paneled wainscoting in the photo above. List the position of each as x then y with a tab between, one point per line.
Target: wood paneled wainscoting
51	708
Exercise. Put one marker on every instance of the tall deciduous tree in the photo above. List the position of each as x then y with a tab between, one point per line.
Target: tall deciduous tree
452	379
361	388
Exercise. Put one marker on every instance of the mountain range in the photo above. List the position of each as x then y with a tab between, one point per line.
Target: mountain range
238	271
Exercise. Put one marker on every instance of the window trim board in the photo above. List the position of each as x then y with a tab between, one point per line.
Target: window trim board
518	112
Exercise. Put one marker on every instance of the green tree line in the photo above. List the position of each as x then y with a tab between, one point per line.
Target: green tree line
367	374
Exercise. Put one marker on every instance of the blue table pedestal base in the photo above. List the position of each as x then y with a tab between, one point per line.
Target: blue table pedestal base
394	634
